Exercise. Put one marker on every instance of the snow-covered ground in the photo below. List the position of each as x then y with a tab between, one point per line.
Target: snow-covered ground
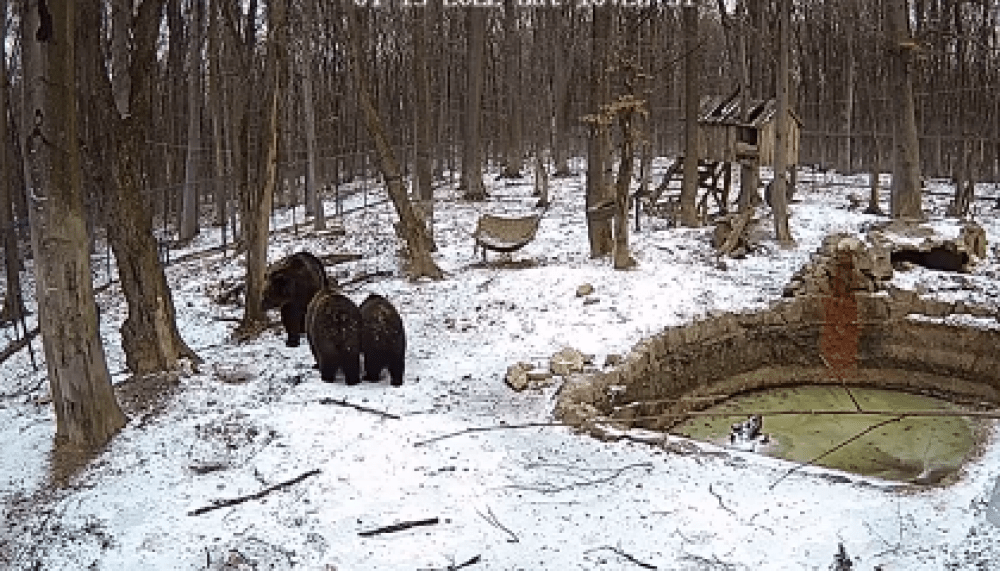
256	414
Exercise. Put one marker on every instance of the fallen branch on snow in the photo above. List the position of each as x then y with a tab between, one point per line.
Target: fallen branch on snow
401	526
344	403
491	519
620	551
551	489
217	504
487	429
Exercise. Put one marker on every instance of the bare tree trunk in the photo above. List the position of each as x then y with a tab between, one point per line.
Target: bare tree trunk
749	166
562	65
150	337
692	96
314	202
848	114
189	207
418	241
905	193
423	116
87	413
512	64
779	193
623	259
13	304
598	150
216	94
472	165
259	199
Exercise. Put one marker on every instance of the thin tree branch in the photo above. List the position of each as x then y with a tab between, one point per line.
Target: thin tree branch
217	504
399	527
835	448
344	403
620	551
550	489
491	519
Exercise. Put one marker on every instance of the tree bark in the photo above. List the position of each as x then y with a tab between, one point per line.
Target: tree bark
472	165
259	199
150	337
623	259
905	192
87	413
692	97
423	112
314	201
13	303
418	241
512	66
779	192
598	148
189	207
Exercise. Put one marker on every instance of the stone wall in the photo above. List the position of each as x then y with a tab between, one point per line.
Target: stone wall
692	367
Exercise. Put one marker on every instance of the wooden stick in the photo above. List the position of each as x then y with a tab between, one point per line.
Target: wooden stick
404	525
18	345
216	504
487	429
339	402
835	448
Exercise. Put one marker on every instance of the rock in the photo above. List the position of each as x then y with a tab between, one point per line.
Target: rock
566	361
517	376
613	360
591	300
584	290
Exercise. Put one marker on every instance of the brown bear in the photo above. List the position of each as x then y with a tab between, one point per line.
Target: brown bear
290	284
333	325
383	339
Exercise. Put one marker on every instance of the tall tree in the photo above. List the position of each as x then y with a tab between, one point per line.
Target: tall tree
512	71
189	202
472	160
13	304
259	198
150	336
87	413
905	191
411	227
598	144
779	190
423	116
692	97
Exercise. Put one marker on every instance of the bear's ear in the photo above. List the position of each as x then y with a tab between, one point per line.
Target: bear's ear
279	281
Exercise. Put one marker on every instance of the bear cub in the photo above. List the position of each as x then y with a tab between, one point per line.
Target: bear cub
333	326
383	339
290	284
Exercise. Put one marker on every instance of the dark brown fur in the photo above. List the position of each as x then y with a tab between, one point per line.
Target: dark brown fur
290	285
383	339
333	325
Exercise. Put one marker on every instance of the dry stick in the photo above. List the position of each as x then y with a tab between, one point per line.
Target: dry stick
216	504
359	407
835	448
471	561
492	520
622	552
554	489
487	429
398	527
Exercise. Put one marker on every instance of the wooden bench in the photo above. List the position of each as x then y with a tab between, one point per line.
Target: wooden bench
503	234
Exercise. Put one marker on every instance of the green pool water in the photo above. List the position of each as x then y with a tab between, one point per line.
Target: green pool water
914	449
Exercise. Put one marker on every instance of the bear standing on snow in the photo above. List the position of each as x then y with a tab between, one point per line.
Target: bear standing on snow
291	284
383	340
333	325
